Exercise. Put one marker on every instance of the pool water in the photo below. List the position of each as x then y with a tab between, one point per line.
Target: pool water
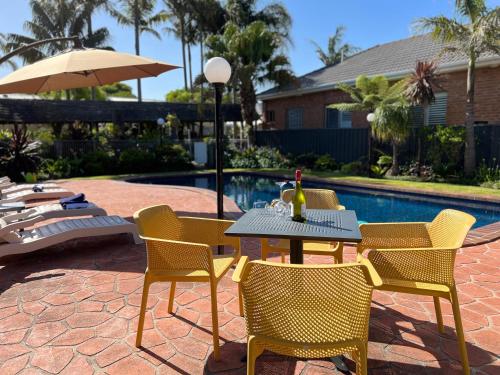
370	205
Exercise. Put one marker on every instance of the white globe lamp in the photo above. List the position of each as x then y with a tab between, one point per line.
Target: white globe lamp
160	121
370	117
217	70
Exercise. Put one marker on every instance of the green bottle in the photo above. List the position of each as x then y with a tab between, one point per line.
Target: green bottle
298	204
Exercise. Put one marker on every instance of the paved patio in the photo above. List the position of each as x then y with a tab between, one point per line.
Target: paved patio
72	309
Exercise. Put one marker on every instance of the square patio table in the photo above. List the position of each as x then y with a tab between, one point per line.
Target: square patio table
320	225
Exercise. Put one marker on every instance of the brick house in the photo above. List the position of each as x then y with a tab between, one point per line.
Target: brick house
303	104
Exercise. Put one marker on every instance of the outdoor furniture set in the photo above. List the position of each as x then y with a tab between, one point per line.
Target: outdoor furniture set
306	311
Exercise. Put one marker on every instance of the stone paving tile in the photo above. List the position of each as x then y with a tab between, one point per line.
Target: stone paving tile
72	309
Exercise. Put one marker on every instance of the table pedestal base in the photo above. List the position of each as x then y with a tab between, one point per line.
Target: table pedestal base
296	255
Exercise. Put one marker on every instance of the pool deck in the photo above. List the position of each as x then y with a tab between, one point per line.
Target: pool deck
72	309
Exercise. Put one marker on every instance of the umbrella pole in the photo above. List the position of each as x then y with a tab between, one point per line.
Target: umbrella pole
219	154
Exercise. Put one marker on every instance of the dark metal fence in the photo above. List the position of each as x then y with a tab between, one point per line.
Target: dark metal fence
344	145
347	145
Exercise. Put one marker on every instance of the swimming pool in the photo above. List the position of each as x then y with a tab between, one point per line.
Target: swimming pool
370	205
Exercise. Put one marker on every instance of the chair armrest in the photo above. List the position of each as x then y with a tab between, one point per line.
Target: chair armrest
430	265
340	207
393	235
240	267
18	216
21	224
375	279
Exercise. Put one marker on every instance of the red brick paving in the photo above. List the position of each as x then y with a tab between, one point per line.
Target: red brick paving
72	309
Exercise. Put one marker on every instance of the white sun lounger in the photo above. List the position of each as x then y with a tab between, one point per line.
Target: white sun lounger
29	195
52	234
14	188
52	211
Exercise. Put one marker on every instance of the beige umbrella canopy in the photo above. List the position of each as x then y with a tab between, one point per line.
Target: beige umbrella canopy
80	68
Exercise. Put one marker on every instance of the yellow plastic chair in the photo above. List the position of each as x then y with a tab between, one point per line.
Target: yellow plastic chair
318	199
418	258
180	249
306	311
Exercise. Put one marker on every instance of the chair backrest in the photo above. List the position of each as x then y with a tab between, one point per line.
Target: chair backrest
162	231
158	222
449	228
307	304
316	198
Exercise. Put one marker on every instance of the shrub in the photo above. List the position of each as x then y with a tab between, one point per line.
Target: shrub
445	151
384	163
259	157
307	160
355	168
488	173
135	160
98	163
173	157
325	163
60	168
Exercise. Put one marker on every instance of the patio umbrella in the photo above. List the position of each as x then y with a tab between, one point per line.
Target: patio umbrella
80	68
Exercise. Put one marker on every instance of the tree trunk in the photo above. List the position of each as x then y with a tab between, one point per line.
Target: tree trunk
395	159
470	143
202	99
183	42
190	67
248	101
90	33
426	108
137	33
370	152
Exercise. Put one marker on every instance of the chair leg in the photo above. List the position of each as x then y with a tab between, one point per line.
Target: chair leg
253	351
338	256
460	331
263	249
282	257
362	363
142	313
215	319
240	299
171	297
439	316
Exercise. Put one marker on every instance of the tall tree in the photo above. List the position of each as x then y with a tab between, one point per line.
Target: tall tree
389	105
476	33
4	49
177	15
255	55
336	51
420	91
140	14
54	19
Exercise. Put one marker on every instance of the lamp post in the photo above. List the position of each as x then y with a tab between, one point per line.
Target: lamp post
218	71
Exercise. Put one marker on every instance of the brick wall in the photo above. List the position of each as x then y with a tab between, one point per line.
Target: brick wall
487	101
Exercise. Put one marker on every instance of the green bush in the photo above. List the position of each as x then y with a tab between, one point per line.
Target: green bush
445	150
259	157
173	157
325	163
488	173
98	163
307	160
135	160
353	168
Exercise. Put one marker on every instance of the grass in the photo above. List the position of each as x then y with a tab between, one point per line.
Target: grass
436	187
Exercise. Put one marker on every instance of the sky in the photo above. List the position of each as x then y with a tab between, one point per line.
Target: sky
368	23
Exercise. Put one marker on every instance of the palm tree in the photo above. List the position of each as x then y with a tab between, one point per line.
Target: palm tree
3	48
274	15
336	51
478	34
254	53
140	14
55	19
420	91
177	14
388	104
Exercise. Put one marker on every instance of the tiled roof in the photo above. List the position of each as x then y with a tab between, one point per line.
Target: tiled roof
387	59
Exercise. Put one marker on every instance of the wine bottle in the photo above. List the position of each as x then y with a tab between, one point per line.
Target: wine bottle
298	204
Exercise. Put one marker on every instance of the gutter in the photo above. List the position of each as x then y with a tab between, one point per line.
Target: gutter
492	61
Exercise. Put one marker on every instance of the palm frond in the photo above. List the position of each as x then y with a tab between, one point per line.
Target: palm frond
348	107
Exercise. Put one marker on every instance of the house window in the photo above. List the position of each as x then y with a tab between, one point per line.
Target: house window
295	118
436	114
270	117
337	119
331	118
345	119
